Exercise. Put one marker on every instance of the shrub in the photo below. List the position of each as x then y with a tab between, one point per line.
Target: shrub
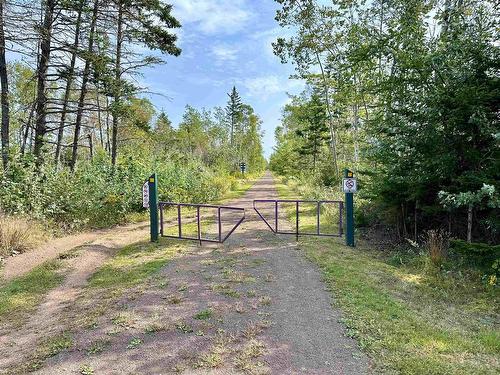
477	254
97	195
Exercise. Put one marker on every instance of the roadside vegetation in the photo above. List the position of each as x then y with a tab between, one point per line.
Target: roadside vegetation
80	135
411	315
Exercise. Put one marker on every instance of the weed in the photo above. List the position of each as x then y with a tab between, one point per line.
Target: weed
437	243
233	276
97	346
265	301
184	327
86	370
18	235
268	278
226	290
245	359
210	360
204	314
154	327
55	345
174	299
253	329
122	320
134	343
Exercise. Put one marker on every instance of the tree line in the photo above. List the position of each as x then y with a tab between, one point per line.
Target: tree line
406	93
71	71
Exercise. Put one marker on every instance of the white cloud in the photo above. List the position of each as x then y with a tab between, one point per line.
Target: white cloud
212	17
224	53
269	36
265	86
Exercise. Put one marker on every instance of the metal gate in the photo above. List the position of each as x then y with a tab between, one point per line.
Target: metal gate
219	209
275	228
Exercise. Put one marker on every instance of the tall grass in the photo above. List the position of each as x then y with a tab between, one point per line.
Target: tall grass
18	235
437	243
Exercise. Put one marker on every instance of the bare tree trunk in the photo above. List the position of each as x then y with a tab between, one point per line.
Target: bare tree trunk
99	120
69	82
91	146
333	145
4	82
27	129
43	66
108	145
83	89
469	223
355	124
415	221
117	91
403	217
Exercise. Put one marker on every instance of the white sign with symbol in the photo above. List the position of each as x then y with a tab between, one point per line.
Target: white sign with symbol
349	185
145	195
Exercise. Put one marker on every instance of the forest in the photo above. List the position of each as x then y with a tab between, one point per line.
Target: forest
406	94
79	135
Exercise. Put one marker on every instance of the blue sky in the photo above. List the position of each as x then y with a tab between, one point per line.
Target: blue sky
224	43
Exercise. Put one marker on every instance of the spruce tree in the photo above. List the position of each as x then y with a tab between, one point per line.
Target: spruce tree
234	112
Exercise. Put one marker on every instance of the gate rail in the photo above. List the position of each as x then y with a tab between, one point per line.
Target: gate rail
219	239
297	211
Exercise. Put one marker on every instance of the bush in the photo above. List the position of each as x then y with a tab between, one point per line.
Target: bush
97	195
477	254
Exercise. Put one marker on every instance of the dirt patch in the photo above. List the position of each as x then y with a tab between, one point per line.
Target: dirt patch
21	264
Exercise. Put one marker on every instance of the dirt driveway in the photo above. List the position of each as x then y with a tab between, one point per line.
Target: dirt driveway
253	305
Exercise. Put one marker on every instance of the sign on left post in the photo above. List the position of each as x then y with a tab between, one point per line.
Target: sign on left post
145	195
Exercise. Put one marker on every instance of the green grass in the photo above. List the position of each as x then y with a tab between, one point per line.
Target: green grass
204	314
134	263
242	187
411	318
49	347
24	293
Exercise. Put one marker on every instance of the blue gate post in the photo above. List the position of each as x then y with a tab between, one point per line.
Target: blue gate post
153	206
349	213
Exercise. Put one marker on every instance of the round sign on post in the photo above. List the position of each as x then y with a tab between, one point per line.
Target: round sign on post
349	185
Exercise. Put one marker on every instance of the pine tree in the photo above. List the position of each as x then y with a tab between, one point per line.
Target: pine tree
315	129
234	112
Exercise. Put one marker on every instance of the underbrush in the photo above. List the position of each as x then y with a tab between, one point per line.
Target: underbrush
98	195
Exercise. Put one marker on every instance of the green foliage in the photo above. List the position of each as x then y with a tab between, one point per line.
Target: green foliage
413	93
476	253
194	168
